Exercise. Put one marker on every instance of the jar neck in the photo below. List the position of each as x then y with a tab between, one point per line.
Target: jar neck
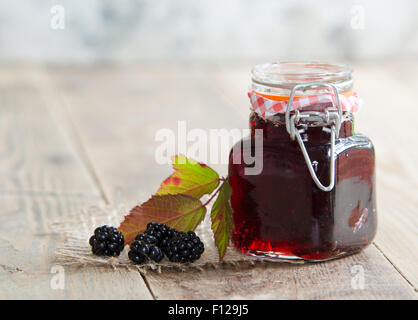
275	129
279	78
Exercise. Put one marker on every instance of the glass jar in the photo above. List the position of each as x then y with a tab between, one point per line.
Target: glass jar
314	198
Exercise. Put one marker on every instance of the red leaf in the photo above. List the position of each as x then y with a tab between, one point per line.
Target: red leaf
179	211
191	177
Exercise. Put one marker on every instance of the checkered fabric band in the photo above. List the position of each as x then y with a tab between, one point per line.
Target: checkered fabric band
267	108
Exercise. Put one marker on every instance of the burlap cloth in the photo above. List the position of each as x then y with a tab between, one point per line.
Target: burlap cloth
78	227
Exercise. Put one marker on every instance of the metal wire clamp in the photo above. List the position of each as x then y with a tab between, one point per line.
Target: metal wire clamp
330	118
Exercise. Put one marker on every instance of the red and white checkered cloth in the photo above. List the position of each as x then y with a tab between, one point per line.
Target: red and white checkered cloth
267	108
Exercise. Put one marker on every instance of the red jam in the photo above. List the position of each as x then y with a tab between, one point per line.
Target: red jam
282	213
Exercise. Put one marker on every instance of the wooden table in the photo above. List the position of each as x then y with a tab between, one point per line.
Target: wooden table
71	137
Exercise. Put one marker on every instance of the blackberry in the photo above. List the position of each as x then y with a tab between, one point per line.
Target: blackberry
136	258
141	250
107	241
161	232
171	233
184	247
155	254
146	238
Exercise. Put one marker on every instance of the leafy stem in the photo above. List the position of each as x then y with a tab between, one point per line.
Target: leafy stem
215	193
177	203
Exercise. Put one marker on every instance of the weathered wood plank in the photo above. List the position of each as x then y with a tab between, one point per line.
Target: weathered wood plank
42	179
27	263
390	93
117	128
331	280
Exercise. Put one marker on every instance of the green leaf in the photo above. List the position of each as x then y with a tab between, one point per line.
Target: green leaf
179	211
221	217
192	178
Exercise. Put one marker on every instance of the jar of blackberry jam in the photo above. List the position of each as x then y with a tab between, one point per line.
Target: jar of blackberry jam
314	198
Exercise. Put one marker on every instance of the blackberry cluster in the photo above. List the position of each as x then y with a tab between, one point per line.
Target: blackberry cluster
184	247
107	241
160	239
